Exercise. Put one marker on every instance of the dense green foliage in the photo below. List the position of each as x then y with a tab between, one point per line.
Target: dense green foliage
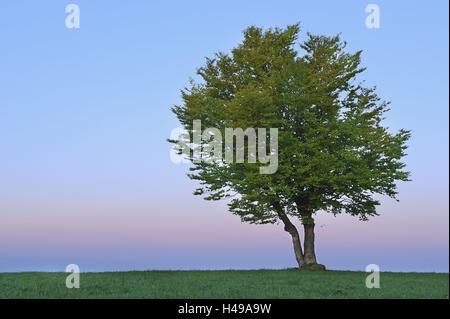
334	154
289	283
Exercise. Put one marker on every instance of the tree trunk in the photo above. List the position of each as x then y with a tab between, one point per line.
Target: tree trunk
292	230
310	255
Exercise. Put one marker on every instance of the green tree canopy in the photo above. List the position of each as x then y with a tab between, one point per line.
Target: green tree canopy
334	154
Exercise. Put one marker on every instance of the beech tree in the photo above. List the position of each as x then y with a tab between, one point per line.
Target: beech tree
334	154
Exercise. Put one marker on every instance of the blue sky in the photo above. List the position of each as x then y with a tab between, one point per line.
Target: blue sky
85	173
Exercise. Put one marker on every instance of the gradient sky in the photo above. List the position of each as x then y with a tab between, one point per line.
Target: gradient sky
85	173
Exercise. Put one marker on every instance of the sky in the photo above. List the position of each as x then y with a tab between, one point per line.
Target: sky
85	172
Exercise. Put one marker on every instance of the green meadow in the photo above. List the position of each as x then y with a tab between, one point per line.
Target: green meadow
288	283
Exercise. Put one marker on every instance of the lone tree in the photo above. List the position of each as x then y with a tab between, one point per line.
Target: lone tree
334	154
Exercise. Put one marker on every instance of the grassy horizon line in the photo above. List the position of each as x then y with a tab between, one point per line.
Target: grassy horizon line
209	270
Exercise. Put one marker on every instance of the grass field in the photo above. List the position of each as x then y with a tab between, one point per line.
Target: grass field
289	283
